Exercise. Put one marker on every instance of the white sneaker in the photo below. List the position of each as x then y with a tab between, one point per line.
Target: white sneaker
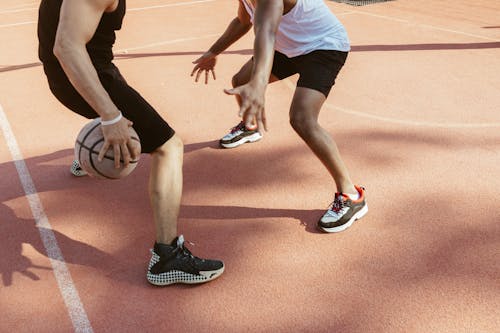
239	135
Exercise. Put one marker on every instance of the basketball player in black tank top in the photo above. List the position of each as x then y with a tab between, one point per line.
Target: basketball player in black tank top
75	46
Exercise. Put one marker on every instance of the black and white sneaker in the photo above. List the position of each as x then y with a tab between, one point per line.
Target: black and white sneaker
239	135
174	263
343	212
76	169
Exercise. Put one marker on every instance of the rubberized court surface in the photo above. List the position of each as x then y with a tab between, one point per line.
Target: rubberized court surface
415	113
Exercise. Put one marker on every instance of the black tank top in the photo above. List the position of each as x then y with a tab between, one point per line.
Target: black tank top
100	47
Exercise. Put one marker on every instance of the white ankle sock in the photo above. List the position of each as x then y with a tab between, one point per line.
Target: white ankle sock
353	196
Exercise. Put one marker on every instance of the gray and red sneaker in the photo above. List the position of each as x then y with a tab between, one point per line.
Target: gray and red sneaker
343	212
239	135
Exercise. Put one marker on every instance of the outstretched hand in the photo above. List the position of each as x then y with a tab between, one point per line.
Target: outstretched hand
205	63
252	109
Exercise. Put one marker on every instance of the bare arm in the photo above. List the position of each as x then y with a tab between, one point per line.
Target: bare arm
78	22
238	27
266	21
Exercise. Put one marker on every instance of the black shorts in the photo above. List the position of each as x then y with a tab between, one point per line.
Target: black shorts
149	125
318	69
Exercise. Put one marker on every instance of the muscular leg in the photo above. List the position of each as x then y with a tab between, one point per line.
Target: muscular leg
165	188
304	113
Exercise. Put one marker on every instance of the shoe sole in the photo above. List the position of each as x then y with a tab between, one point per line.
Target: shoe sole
78	173
251	138
362	212
172	277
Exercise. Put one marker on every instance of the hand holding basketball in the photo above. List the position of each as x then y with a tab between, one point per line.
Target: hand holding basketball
122	141
117	136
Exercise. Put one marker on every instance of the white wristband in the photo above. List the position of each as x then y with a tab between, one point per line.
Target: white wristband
112	121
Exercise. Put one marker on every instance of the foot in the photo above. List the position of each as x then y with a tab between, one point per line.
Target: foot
239	135
343	212
174	263
76	170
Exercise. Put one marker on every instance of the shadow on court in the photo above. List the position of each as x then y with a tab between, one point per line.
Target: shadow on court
354	48
17	231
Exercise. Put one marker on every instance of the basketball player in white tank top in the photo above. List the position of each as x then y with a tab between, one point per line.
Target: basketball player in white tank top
291	36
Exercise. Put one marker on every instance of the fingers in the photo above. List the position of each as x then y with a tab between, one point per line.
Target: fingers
197	75
134	150
125	154
234	91
197	67
213	73
103	151
116	153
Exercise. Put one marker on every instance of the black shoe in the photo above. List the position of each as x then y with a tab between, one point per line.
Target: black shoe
343	212
239	135
76	170
174	263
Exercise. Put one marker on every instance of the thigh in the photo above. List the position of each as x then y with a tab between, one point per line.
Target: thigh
319	69
306	104
152	129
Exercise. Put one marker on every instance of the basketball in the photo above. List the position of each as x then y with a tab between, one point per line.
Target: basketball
87	147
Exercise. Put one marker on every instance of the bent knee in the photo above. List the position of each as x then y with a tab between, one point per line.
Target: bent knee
300	121
172	145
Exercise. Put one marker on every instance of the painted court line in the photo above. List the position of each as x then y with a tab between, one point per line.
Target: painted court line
458	32
67	289
174	4
290	85
166	42
17	24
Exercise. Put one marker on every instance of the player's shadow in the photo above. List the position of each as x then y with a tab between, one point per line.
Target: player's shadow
191	147
306	217
17	231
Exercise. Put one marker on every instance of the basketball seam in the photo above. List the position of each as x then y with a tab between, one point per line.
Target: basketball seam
83	140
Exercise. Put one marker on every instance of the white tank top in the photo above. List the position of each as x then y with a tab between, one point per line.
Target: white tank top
309	26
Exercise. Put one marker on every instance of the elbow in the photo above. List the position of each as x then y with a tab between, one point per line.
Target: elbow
62	47
58	49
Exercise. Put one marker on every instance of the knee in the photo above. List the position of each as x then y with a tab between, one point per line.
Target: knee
301	123
174	145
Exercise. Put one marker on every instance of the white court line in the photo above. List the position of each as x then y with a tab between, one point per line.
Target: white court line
166	42
174	4
10	11
426	26
17	24
415	123
67	289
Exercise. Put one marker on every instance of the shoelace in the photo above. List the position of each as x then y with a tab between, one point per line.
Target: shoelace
238	127
181	249
338	202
